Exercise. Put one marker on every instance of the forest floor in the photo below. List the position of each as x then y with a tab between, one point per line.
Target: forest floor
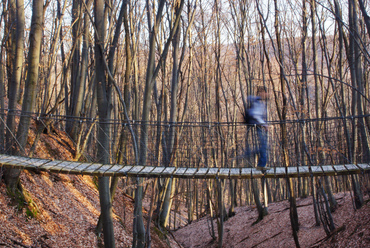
68	210
352	227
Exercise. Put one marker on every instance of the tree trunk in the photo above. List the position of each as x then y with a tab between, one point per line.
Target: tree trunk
2	103
359	199
365	15
170	140
221	211
16	75
104	92
166	204
10	38
73	103
313	192
12	175
139	229
256	194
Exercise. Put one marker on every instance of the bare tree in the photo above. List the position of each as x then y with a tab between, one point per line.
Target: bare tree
15	80
170	139
12	175
104	98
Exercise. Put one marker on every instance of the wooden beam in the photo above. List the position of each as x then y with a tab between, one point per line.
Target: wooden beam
72	167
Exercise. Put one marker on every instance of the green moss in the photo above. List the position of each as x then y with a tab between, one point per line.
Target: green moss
161	234
32	210
96	182
17	198
22	200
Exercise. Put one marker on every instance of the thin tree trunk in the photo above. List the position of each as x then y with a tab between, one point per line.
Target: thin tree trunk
221	210
284	137
104	101
138	228
2	102
359	200
365	16
256	194
170	150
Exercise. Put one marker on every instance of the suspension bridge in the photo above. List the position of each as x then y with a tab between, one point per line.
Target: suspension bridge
318	147
297	149
70	167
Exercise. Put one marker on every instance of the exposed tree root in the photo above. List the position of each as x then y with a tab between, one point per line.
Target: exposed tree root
337	230
256	245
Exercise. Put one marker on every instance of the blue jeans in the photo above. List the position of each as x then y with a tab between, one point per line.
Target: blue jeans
262	147
262	151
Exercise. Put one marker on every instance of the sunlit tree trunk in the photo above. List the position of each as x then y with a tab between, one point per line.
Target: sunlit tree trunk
170	140
15	79
138	228
12	175
111	68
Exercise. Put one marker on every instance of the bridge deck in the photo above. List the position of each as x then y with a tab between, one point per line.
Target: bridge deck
70	167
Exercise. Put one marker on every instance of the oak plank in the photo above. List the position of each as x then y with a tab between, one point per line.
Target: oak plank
92	168
104	170
190	172
52	165
328	170
364	167
78	169
304	171
246	173
212	172
146	171
135	170
235	173
123	171
179	172
201	173
341	169
224	173
157	172
168	172
292	171
317	170
280	172
352	168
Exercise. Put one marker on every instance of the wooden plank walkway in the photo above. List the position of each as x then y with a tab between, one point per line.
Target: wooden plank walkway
70	167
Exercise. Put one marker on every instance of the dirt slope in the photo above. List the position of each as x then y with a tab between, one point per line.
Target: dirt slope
275	230
68	206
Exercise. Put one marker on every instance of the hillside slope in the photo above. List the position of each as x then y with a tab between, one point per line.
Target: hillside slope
68	210
275	229
68	206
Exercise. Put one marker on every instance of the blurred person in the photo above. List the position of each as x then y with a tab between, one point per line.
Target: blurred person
256	115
